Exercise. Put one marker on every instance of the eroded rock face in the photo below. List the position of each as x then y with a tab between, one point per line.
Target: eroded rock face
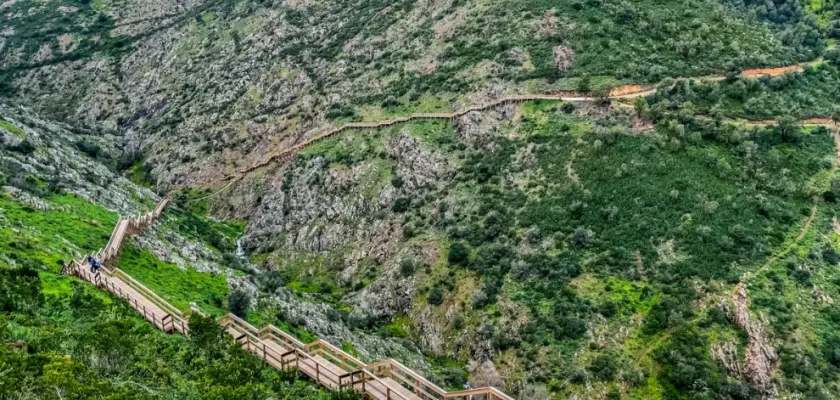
760	357
477	129
321	208
564	58
57	159
418	167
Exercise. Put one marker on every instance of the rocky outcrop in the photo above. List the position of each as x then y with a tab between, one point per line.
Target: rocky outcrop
477	129
55	158
726	355
760	357
418	167
564	58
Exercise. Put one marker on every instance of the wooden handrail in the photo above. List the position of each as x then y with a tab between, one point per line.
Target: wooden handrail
152	296
255	340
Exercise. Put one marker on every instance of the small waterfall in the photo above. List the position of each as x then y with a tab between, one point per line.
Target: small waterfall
240	252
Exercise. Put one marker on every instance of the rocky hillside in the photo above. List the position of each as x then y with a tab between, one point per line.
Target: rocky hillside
659	249
565	250
201	86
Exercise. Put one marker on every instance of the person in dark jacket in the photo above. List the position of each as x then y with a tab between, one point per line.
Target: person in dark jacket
92	263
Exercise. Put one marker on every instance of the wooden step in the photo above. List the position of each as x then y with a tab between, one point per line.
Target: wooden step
380	390
148	309
326	374
234	332
271	352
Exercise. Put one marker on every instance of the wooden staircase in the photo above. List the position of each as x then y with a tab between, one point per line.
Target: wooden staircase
324	363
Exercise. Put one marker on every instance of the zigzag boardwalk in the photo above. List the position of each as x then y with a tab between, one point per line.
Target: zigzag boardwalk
324	363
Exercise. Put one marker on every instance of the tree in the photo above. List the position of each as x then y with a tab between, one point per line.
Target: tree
641	106
585	84
238	302
582	237
789	128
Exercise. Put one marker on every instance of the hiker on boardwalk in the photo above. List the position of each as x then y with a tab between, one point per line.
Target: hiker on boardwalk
92	262
96	265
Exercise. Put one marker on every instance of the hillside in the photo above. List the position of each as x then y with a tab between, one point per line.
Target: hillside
677	241
211	83
64	339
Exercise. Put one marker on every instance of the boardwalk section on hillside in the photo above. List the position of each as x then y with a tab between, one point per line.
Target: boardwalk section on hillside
326	364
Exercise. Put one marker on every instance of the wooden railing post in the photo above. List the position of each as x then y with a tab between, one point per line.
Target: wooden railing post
318	374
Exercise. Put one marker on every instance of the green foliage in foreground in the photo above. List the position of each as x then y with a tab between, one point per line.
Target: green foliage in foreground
77	346
46	239
179	287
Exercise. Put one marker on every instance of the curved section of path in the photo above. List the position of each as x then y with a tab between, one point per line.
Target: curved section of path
629	91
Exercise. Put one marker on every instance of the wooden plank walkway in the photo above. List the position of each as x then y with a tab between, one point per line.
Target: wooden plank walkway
326	364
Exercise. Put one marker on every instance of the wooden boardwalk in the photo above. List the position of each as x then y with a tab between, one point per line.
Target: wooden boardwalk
630	91
324	363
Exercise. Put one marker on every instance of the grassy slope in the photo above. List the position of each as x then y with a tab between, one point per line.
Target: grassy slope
47	239
82	343
180	287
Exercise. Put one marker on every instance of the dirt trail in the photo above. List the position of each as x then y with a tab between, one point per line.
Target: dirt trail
740	289
805	227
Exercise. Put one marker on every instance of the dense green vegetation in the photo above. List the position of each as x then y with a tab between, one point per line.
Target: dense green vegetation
696	202
623	228
79	344
815	92
642	41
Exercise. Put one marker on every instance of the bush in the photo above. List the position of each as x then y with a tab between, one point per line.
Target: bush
238	302
435	296
603	368
458	254
24	147
568	108
271	281
406	268
397	182
92	150
401	205
831	256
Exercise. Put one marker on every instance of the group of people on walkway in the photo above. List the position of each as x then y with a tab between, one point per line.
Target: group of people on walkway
95	264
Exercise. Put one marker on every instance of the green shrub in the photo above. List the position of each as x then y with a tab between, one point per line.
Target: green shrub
435	296
458	254
25	147
406	267
401	205
238	302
